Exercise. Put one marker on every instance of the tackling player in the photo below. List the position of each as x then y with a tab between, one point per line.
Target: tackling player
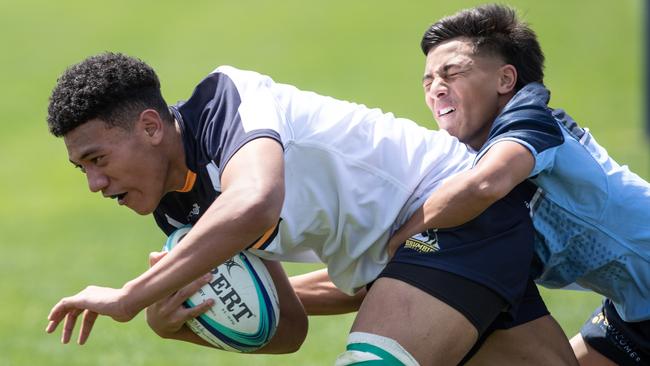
289	175
592	215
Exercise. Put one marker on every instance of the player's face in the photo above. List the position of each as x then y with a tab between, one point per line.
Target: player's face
463	90
122	165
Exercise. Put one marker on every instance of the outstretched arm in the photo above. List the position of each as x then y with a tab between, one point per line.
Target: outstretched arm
250	203
467	194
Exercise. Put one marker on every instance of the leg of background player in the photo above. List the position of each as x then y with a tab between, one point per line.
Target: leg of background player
430	330
539	342
587	356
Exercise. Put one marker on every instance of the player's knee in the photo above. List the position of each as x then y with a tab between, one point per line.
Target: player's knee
365	347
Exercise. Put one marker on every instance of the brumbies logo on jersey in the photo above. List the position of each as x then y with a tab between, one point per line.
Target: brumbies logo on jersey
194	213
425	242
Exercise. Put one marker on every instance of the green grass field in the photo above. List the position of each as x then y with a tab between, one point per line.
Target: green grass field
58	238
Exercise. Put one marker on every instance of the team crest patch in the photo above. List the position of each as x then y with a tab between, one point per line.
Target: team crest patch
194	213
426	242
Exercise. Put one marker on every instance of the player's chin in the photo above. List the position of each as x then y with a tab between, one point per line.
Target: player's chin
445	124
141	208
143	212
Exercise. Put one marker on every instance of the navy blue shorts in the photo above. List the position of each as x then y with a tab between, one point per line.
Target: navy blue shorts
495	251
530	307
625	343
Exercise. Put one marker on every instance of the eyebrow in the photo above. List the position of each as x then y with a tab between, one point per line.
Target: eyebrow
88	152
450	65
445	69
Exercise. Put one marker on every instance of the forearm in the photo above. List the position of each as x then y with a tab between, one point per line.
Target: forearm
293	323
226	228
456	202
466	195
319	296
185	334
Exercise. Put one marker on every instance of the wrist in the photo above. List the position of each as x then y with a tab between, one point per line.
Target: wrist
128	301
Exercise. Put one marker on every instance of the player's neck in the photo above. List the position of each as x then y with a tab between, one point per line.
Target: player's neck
177	171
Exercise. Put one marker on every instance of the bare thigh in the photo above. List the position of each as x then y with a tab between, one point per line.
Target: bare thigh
539	342
588	356
430	330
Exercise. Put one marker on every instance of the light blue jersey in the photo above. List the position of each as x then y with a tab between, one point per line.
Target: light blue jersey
592	215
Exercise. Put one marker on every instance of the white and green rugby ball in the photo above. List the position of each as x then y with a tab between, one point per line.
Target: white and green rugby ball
245	313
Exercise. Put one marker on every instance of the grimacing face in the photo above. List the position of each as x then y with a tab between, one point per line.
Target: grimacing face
465	92
121	164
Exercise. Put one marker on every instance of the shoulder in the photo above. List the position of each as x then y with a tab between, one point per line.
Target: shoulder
528	119
227	109
243	80
218	96
528	109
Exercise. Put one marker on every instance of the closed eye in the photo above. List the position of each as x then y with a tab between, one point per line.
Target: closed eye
451	70
99	160
426	82
453	74
83	170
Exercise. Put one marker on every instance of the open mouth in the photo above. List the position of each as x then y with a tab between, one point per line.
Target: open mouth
119	197
445	111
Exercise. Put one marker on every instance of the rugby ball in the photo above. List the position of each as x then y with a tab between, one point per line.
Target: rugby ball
246	310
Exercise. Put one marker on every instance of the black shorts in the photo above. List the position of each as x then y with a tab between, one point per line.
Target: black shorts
530	307
476	302
491	254
625	343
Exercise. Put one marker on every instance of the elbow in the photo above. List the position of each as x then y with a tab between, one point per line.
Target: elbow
263	209
488	192
266	214
289	336
298	336
299	332
292	326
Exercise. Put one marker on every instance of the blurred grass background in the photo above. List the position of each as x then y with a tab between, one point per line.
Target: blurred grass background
58	238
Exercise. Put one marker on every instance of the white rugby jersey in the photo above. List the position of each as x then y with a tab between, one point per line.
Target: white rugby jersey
353	174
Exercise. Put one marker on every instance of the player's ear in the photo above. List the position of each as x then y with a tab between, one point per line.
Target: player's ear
507	79
151	124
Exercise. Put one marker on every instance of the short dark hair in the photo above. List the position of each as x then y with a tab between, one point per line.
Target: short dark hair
112	87
493	30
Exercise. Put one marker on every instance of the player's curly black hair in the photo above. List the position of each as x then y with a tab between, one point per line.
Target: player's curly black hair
111	87
493	29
